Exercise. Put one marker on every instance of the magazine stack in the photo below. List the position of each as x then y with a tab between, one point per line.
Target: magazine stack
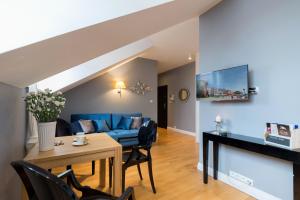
283	135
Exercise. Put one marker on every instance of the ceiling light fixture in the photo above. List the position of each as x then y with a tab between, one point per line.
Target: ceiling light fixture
190	57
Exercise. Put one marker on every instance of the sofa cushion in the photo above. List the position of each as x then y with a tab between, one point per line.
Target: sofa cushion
75	127
100	125
126	133
87	126
119	133
116	117
105	116
136	122
125	123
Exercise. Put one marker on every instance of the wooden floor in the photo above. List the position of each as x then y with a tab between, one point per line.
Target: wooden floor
175	158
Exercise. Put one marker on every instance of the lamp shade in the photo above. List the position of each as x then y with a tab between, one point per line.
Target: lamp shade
120	85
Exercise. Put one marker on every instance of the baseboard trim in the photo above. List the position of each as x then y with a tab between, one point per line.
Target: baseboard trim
182	131
252	191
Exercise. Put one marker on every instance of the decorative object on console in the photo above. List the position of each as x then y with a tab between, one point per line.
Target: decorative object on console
45	107
140	88
218	123
282	135
184	94
119	86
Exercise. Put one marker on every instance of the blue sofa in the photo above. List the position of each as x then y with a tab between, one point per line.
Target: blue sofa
112	120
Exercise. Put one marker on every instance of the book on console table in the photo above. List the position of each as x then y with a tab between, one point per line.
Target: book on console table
282	135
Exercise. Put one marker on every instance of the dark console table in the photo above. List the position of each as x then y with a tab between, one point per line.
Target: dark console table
252	144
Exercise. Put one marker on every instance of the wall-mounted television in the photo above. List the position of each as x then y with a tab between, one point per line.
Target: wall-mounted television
224	85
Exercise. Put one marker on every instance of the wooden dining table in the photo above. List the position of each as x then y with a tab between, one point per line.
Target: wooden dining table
100	147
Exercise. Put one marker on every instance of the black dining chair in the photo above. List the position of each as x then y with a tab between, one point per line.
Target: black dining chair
42	185
134	155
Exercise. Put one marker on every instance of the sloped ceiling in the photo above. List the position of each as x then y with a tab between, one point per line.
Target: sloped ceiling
172	46
91	69
31	21
24	66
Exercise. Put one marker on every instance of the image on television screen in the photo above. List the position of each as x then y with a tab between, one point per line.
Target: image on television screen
223	85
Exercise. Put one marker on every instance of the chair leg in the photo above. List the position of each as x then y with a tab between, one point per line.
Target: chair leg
123	179
140	172
151	176
110	172
68	179
93	167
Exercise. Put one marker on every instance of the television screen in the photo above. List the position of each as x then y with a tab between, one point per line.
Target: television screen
224	85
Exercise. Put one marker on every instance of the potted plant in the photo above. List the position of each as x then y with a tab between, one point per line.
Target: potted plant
45	107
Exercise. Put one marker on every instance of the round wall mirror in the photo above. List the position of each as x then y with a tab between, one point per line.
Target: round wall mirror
184	94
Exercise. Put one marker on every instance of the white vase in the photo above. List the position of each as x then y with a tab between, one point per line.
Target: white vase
46	133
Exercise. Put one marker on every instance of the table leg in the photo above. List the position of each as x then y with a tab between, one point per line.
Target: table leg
24	193
216	159
296	171
205	159
117	172
102	172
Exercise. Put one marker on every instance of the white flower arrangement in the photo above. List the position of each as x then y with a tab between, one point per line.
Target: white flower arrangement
45	105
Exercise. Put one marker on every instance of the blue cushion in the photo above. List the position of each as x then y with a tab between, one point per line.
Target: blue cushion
76	127
125	123
146	119
105	116
100	125
116	117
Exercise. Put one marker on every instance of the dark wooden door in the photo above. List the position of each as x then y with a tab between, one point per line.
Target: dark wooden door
162	106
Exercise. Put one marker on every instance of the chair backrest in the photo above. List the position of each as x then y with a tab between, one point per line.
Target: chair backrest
63	128
147	134
42	185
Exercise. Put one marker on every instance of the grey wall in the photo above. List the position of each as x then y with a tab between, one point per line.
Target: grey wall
180	114
12	142
265	35
99	95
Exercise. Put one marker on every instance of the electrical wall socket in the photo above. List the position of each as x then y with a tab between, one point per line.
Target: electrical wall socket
241	178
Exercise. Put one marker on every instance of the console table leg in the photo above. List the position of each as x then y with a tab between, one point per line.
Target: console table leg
205	159
216	159
296	171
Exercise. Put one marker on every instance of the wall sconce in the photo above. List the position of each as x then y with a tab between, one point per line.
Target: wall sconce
120	85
